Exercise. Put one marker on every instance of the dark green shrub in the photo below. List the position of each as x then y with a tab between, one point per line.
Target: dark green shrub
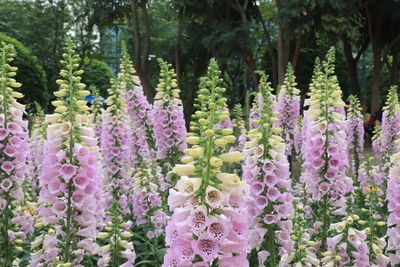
97	73
30	73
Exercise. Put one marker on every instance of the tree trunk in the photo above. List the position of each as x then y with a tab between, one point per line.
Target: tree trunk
283	53
351	67
136	33
270	47
296	53
141	60
376	83
375	22
394	69
178	48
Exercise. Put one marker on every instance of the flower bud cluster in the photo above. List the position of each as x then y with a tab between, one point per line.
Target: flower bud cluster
70	196
355	133
14	147
266	169
139	110
169	121
288	107
209	222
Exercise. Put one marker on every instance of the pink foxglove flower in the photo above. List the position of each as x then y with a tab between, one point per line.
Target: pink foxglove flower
117	163
116	145
239	128
14	147
325	151
97	110
209	224
71	201
146	201
355	133
35	157
169	122
297	138
288	107
140	111
393	221
390	127
266	169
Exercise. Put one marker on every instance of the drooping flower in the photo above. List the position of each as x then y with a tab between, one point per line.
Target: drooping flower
71	202
169	122
147	206
140	112
239	129
297	139
116	145
209	220
325	151
35	157
393	221
377	141
14	147
390	127
266	169
97	110
355	133
288	107
118	173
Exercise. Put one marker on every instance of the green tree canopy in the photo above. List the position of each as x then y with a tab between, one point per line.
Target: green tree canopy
30	73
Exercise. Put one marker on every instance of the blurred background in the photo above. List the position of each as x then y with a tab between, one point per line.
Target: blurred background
243	35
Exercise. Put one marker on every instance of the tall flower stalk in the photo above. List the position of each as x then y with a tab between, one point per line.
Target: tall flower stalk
96	111
355	133
390	127
116	148
393	221
35	158
169	120
209	224
266	170
71	202
147	208
297	139
373	213
14	147
325	151
239	128
117	163
139	110
288	107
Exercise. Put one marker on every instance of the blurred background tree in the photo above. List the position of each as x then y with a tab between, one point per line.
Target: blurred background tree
244	35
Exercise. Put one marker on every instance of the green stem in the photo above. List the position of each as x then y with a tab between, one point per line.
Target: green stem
6	214
71	113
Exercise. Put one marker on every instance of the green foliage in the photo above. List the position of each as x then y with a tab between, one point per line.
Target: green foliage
98	74
30	73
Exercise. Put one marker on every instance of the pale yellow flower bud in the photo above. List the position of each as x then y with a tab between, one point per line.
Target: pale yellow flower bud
229	138
228	178
60	93
193	140
209	132
57	103
231	156
102	235
126	234
84	93
220	142
17	95
186	169
61	109
16	85
125	244
186	160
